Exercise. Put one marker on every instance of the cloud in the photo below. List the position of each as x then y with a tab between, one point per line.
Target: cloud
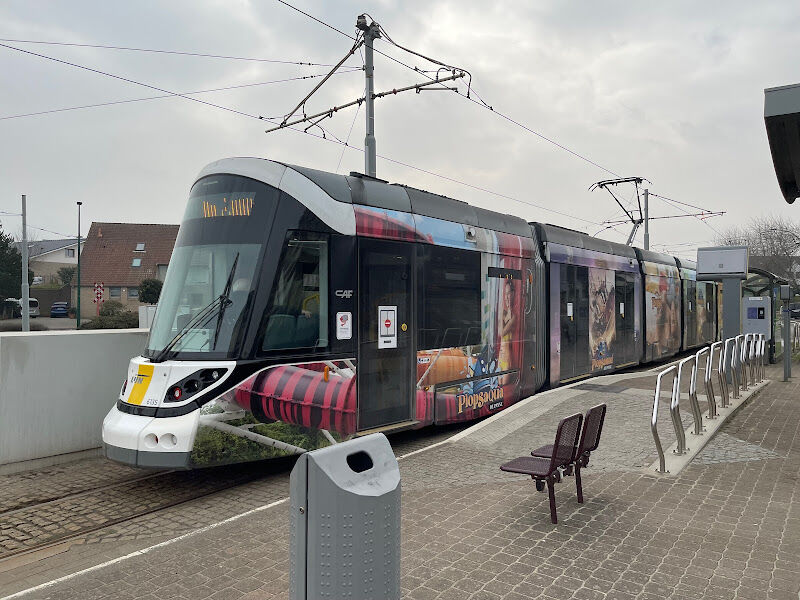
672	92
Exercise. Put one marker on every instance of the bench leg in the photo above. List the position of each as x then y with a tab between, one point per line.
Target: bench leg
578	485
551	492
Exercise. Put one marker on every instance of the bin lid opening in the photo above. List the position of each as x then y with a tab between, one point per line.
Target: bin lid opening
359	461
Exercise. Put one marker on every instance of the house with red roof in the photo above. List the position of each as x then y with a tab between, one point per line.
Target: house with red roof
120	256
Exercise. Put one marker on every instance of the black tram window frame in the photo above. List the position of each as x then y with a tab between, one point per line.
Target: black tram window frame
324	296
448	314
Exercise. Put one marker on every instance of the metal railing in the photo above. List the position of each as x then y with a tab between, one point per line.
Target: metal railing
707	382
675	407
746	354
733	365
654	418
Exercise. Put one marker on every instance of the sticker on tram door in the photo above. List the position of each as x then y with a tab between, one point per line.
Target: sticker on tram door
344	325
387	327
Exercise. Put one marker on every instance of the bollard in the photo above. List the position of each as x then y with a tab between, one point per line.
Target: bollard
345	522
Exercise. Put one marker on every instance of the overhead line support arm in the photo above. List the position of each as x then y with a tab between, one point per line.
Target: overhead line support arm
331	111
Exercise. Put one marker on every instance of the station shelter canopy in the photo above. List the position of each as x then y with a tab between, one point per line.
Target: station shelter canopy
782	119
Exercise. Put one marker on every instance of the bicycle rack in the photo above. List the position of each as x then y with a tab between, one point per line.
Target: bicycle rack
742	359
747	355
746	378
675	408
735	377
654	418
697	413
722	371
709	384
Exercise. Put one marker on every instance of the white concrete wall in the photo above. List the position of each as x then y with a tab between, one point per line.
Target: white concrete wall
57	386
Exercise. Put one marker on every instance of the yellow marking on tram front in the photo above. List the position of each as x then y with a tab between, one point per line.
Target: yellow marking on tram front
140	384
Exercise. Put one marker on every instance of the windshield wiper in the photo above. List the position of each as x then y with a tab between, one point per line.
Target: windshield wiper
221	302
225	294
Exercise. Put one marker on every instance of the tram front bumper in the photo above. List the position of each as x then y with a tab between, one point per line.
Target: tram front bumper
149	442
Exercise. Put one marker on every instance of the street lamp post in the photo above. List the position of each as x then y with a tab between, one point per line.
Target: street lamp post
78	313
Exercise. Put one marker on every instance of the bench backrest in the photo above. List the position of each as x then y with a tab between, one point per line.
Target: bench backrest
566	444
592	428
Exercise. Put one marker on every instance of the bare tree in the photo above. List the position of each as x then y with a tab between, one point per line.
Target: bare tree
774	242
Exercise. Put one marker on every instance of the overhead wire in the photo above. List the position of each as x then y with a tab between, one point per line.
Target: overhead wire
129	80
177	52
347	140
253	116
676	205
480	102
206	91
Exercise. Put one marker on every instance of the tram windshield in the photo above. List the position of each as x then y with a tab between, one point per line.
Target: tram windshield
212	276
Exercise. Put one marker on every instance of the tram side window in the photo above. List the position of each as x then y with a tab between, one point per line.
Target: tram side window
297	316
449	299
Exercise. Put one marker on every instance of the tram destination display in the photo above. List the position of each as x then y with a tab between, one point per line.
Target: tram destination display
218	205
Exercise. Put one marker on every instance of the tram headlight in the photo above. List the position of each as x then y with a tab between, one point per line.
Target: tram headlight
194	383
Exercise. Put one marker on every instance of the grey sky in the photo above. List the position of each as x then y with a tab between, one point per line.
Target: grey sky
668	91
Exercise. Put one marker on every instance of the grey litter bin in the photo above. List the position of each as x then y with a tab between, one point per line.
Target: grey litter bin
345	522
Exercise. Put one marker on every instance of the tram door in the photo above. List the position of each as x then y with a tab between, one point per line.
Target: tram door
625	344
385	359
575	353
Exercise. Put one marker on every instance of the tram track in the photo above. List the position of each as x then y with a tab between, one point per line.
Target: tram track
33	531
21	506
70	518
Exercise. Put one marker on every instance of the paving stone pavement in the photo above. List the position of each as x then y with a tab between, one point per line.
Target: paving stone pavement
727	527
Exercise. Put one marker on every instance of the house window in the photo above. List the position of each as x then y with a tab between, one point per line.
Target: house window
70	252
115	292
139	247
161	271
137	262
133	292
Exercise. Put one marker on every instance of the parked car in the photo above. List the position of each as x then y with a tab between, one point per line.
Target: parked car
37	280
794	310
59	309
33	303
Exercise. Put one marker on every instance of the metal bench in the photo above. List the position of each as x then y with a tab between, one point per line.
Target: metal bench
545	469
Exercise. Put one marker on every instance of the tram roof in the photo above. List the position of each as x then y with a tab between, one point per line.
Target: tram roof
577	239
685	263
655	257
369	191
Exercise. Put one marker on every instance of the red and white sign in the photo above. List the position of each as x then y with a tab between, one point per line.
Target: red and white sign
387	330
99	289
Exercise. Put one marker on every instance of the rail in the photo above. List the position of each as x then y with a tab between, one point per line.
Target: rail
654	418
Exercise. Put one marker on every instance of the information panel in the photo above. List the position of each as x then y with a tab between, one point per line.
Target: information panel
719	262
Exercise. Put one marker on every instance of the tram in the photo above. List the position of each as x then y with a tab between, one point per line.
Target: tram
302	307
